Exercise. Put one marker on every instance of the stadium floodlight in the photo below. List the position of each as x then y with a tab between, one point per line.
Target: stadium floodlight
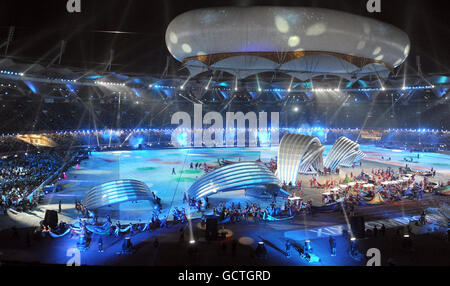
290	84
185	82
209	82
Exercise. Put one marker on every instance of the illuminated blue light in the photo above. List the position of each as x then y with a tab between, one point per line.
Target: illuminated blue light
443	79
137	80
263	137
138	94
363	83
307	84
31	86
135	141
182	139
93	77
70	88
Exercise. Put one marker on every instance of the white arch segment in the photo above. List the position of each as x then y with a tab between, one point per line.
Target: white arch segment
298	153
343	153
237	176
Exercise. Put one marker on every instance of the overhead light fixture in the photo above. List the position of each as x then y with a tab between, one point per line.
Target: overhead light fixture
209	82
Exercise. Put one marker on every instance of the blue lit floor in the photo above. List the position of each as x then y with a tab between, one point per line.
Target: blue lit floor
154	167
173	252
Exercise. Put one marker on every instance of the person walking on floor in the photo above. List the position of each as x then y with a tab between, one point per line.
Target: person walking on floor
100	244
332	241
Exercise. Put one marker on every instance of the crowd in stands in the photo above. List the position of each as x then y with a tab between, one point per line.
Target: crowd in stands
23	172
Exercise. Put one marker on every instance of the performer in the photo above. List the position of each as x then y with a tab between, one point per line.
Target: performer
288	248
100	244
332	245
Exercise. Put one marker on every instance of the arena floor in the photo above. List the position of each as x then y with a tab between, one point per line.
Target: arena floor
154	167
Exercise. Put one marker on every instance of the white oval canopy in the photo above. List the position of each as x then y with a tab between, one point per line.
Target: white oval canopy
285	38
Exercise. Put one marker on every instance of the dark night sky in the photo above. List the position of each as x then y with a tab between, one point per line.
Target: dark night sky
40	25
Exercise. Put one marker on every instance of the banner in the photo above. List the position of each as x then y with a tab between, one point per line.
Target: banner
37	140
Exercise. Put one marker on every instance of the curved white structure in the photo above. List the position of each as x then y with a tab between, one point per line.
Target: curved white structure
238	176
358	156
116	193
344	152
298	153
249	40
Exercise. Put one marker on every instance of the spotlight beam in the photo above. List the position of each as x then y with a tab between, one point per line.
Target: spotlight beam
209	82
290	84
